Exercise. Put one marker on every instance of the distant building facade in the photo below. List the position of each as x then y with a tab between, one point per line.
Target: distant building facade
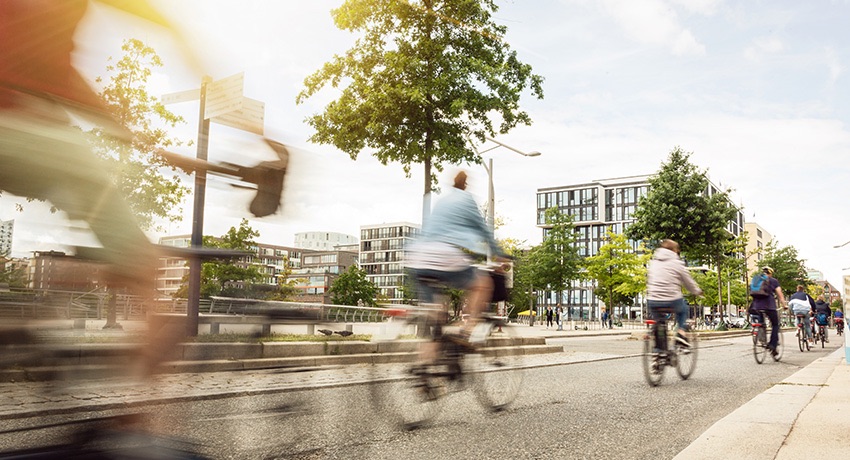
54	270
318	271
757	240
323	241
597	207
382	255
7	230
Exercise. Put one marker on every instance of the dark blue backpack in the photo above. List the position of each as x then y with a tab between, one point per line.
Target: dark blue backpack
760	286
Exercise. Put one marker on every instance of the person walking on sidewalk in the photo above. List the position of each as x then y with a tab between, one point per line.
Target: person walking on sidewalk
559	317
665	278
550	316
822	315
766	306
604	317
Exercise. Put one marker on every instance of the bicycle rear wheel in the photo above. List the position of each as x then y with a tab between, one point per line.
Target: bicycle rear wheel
653	363
404	391
686	357
802	342
496	367
759	344
780	346
822	336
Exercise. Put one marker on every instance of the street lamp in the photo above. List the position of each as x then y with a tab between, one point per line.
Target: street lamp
841	245
491	198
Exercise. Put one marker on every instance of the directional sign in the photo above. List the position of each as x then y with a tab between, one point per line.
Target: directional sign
181	96
251	117
224	96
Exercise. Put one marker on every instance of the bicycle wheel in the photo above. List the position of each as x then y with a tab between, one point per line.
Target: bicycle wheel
496	367
801	340
686	357
759	344
780	347
822	336
653	363
405	392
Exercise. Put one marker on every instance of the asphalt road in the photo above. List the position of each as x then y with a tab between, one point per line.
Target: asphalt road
601	408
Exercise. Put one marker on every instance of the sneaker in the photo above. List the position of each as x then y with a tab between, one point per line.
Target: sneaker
773	352
682	340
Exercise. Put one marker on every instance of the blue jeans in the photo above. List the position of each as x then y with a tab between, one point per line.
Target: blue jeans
773	316
657	308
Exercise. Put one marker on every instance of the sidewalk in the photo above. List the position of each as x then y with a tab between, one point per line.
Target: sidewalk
805	415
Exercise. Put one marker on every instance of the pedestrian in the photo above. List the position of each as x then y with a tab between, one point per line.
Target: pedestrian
604	317
765	305
550	316
559	317
665	278
822	315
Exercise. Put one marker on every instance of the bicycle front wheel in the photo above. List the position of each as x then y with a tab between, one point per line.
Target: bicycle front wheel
653	363
686	359
496	366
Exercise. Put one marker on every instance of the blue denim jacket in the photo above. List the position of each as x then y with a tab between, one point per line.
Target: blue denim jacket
456	220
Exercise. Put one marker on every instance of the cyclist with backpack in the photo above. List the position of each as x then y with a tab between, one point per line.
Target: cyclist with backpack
664	280
822	315
765	291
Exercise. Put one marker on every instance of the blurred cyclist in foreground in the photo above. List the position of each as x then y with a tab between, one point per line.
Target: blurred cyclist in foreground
664	281
441	255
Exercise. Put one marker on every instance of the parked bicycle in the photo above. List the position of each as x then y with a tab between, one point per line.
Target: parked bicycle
413	394
659	351
761	339
802	340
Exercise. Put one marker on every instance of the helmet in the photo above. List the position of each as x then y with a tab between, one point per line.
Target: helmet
767	270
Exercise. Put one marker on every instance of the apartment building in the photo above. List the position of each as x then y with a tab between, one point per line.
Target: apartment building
318	271
597	207
757	240
323	241
382	256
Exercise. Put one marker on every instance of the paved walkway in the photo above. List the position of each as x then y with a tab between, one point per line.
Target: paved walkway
806	414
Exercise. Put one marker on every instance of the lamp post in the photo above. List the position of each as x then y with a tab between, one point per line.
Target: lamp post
491	199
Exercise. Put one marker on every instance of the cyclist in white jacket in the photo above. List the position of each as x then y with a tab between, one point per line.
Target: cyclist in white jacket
664	281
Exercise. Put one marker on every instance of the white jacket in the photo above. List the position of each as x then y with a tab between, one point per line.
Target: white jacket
666	276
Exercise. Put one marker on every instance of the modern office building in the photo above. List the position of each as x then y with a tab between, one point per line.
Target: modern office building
54	270
382	256
7	229
757	240
597	207
323	241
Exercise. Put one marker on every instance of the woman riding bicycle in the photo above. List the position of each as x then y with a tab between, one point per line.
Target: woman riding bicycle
441	254
664	280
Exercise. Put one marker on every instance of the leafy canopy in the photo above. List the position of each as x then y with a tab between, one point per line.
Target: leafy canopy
422	79
556	261
617	270
352	287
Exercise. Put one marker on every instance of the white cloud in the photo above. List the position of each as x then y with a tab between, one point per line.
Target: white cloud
763	46
654	22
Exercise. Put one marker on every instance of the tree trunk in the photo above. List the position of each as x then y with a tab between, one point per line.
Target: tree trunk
112	311
721	325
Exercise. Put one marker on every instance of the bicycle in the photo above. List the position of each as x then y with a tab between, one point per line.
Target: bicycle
682	357
802	340
760	340
839	327
418	390
821	335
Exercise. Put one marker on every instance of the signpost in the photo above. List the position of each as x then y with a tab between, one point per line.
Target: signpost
222	102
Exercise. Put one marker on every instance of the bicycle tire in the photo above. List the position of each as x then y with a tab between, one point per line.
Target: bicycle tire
653	368
686	357
495	368
822	336
780	347
759	344
800	339
402	391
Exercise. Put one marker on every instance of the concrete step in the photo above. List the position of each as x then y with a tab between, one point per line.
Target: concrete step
90	361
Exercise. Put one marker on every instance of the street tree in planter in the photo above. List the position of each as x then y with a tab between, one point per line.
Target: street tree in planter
556	261
352	287
617	271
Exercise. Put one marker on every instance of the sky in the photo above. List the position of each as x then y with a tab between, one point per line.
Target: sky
757	90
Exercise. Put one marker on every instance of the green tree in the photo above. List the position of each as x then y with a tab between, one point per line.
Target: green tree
135	167
787	266
556	261
617	271
13	276
230	278
423	79
521	295
679	207
352	286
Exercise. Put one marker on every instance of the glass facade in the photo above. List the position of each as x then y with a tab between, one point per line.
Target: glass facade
382	256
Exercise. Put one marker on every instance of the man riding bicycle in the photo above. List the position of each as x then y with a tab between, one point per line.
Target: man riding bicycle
822	315
803	307
664	280
440	256
766	306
